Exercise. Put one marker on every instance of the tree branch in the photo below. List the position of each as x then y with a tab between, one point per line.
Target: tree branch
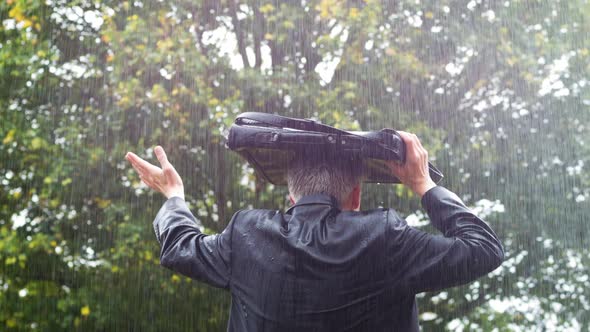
239	32
257	32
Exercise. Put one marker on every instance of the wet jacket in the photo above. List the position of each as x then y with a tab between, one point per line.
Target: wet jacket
317	268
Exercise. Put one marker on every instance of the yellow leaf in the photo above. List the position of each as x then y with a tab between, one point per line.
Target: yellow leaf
325	7
479	84
165	44
36	143
268	36
102	203
336	116
11	323
349	95
213	102
85	311
175	278
9	137
16	13
429	15
66	182
511	61
288	24
267	8
353	12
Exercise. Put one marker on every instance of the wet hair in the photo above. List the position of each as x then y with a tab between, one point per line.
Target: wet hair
332	175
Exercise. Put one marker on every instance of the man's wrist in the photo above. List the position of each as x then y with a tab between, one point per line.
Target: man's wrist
423	188
180	195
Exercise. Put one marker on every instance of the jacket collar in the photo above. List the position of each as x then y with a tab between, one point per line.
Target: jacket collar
316	199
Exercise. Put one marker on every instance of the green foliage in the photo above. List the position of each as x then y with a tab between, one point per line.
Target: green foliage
497	91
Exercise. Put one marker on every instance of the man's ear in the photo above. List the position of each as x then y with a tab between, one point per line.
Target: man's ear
291	199
356	197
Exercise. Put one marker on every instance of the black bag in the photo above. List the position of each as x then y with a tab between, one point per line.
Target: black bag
270	142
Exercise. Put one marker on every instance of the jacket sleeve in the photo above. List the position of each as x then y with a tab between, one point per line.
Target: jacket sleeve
468	250
184	249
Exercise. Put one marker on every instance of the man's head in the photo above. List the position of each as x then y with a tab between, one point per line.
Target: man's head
338	177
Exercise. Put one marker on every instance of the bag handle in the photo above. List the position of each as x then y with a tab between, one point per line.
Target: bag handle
256	118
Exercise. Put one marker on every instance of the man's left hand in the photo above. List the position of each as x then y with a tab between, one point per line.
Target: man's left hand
165	180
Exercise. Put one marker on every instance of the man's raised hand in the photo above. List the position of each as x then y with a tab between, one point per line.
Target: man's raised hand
414	173
165	180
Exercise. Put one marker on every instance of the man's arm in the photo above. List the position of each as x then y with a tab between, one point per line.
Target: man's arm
468	250
186	250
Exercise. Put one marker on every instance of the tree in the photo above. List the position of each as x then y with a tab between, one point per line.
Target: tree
496	90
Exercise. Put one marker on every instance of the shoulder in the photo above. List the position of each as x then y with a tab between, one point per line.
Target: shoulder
384	216
255	213
250	217
395	221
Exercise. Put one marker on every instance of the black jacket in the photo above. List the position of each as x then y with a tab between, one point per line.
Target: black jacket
316	268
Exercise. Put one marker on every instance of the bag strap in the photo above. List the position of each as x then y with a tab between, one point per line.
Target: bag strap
256	118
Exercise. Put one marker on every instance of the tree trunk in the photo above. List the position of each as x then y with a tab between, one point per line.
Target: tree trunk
239	32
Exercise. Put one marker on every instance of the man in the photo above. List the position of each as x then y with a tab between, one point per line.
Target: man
322	265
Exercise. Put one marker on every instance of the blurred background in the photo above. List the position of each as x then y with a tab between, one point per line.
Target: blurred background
498	91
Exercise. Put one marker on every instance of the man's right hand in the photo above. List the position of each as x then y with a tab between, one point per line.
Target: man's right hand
414	172
165	180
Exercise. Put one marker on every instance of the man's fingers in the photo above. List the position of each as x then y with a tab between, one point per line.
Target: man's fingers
142	169
405	135
132	157
144	180
169	171
419	143
415	150
138	169
161	155
149	181
165	180
410	140
135	165
141	164
137	162
395	167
